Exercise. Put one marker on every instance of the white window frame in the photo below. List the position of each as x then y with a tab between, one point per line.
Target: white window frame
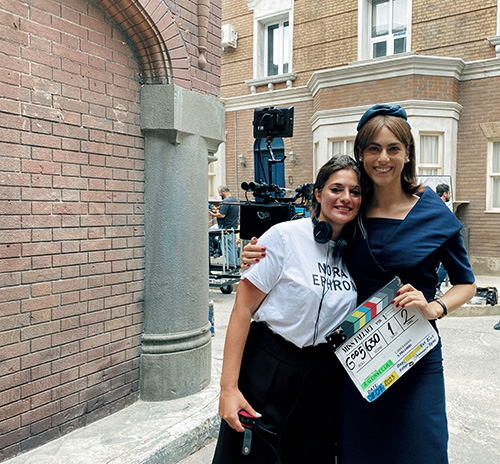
267	13
263	45
436	167
212	181
490	178
346	141
317	161
281	46
365	41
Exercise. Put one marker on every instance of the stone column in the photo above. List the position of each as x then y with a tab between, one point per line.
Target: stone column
182	131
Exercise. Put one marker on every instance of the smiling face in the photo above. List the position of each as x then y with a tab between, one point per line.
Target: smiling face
373	132
340	199
384	158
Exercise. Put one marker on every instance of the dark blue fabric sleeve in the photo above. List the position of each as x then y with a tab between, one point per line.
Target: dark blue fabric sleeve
454	257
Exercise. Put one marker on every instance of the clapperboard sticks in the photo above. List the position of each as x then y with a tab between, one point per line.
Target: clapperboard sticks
363	314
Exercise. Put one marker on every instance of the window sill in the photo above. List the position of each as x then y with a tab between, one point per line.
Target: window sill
458	203
270	81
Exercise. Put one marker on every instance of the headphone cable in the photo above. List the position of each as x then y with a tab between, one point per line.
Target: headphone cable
308	361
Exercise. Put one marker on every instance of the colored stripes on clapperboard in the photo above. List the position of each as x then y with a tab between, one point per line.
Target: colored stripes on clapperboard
363	314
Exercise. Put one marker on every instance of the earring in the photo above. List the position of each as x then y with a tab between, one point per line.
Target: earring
407	160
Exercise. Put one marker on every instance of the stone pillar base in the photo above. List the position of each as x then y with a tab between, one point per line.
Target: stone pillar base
175	375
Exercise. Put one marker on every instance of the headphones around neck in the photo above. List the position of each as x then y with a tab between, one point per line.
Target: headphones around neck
323	232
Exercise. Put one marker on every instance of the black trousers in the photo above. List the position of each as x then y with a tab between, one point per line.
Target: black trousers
296	391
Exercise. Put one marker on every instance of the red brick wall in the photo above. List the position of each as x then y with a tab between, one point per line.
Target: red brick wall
479	122
456	29
71	200
72	234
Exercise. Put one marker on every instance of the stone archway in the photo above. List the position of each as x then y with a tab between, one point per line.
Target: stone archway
154	34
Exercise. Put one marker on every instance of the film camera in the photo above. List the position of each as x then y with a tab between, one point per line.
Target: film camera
271	206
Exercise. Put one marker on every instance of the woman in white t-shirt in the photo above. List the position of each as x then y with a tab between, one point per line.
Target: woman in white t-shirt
277	366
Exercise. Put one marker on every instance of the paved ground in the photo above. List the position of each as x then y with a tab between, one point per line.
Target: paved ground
166	432
472	374
471	349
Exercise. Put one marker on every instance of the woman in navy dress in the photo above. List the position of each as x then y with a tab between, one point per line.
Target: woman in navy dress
407	232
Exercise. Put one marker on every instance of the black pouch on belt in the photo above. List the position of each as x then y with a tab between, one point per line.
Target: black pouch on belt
253	424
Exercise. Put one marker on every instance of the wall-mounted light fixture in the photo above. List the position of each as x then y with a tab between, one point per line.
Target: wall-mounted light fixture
292	158
242	160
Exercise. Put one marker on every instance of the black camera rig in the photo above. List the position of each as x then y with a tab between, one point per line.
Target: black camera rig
273	122
271	205
275	193
258	216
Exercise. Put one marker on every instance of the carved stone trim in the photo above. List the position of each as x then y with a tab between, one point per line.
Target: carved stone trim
176	342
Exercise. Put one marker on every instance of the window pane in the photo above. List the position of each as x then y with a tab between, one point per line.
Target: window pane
379	49
496	158
286	46
342	147
400	45
337	148
429	149
399	17
350	147
380	17
496	192
272	49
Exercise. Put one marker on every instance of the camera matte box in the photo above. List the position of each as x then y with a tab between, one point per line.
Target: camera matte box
256	218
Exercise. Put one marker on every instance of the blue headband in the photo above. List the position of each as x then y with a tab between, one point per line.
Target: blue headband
385	110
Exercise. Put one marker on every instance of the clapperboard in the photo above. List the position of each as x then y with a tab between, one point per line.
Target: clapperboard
379	342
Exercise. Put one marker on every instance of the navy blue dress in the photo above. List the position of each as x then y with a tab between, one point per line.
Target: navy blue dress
407	424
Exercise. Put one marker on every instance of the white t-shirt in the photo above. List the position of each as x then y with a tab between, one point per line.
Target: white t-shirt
297	273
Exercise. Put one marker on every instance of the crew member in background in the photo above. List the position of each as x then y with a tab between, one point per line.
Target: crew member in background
228	218
443	191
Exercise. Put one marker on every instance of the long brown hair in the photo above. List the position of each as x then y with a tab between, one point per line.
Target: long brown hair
399	127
